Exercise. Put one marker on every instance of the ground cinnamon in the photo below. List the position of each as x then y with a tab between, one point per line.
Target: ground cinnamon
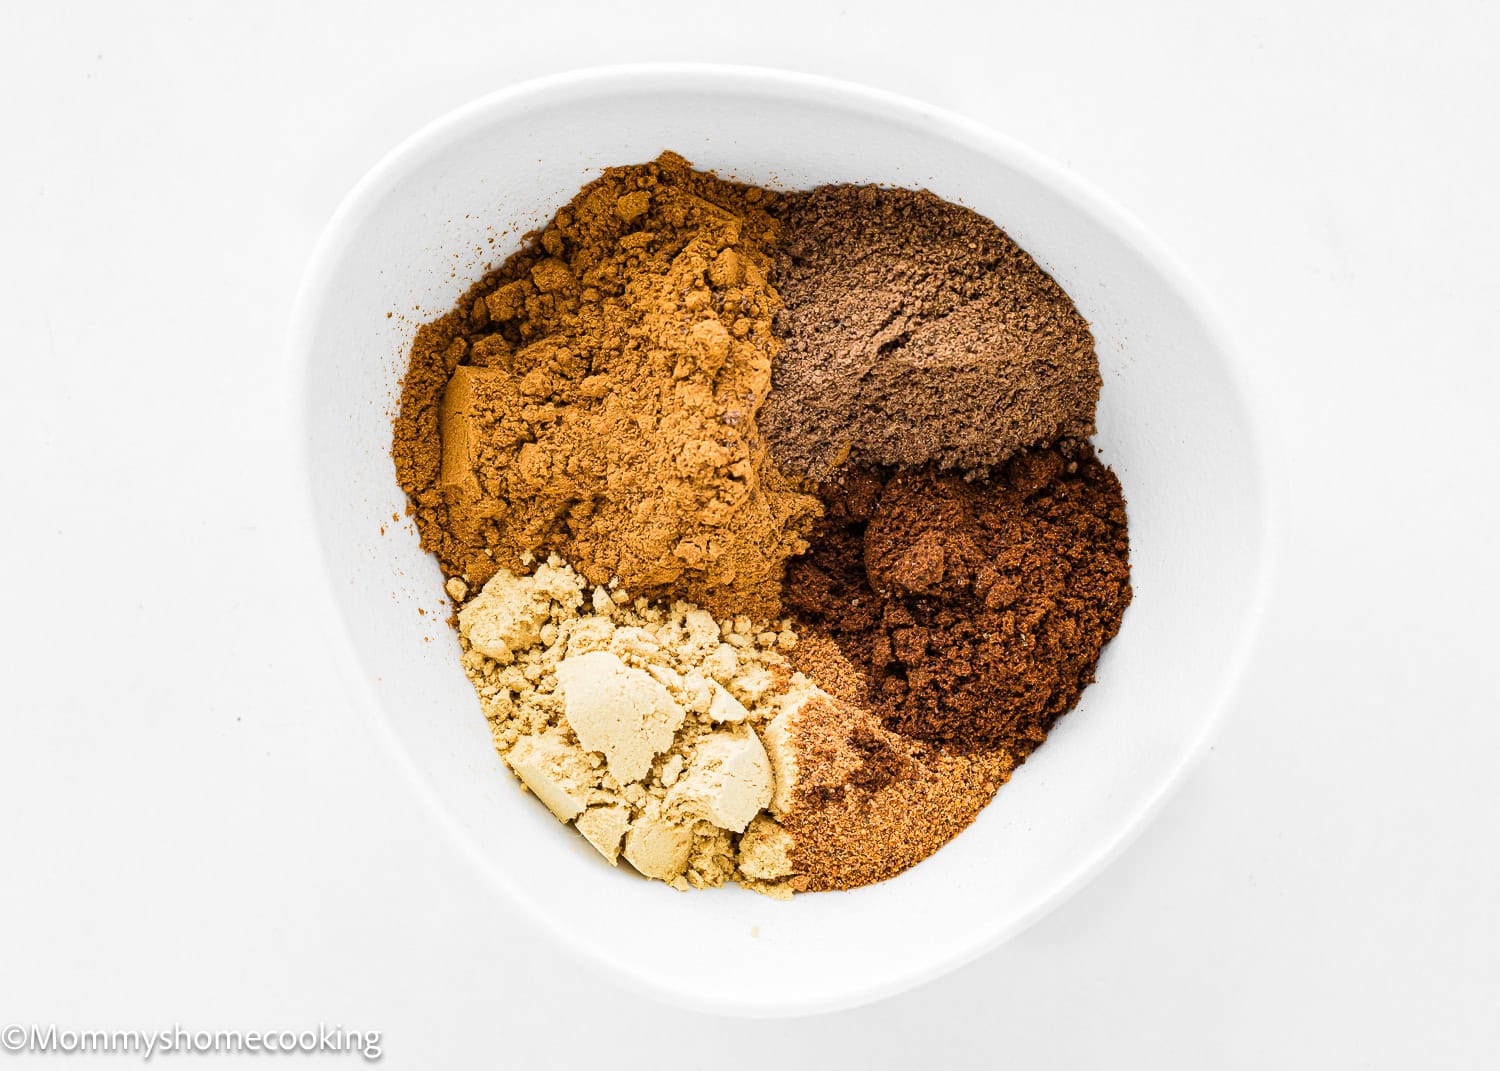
598	395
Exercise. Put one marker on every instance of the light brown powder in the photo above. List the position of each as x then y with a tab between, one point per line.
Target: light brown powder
599	396
870	802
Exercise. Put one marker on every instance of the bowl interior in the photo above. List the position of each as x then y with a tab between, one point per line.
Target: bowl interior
1171	423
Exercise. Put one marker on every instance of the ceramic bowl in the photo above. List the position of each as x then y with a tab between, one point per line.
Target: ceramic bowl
1174	422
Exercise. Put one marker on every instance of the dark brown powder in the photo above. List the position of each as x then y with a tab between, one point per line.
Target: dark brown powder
977	608
917	332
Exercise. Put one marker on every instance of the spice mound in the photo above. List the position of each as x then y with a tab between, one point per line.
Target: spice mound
599	396
917	332
976	608
640	724
773	531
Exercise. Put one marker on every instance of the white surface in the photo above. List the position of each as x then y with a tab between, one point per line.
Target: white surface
1171	423
197	825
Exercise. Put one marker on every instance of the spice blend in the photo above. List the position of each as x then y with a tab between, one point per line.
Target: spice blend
771	523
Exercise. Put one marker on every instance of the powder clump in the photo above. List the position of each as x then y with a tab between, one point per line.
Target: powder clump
917	332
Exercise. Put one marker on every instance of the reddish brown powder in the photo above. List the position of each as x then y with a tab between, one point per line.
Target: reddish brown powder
597	395
977	608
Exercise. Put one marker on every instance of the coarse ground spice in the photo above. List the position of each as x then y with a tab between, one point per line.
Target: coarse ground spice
598	395
872	802
917	332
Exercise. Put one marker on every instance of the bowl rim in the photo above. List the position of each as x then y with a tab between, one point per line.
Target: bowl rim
318	279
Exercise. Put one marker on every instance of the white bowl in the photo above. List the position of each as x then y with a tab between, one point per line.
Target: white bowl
1172	422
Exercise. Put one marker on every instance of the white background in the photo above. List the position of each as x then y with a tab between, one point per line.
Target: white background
197	827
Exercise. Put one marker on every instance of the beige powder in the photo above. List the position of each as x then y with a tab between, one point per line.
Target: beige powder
623	712
640	724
